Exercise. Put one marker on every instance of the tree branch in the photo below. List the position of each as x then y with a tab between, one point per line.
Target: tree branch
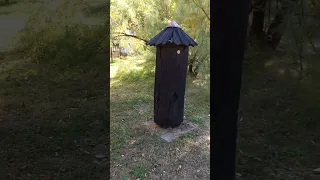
202	9
133	36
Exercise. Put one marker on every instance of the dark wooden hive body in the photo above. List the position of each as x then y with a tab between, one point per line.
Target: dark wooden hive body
171	71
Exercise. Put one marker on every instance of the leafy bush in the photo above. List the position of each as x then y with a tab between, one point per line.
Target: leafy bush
53	35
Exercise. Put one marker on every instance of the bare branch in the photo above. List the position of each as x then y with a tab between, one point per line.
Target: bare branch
133	36
202	9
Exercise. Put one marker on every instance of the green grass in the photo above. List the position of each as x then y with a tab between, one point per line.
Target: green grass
190	135
278	137
145	153
139	172
53	116
47	122
280	120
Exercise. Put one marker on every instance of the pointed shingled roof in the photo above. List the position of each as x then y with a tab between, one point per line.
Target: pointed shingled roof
172	34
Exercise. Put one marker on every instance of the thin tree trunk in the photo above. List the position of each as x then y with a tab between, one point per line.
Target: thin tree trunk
309	37
301	38
190	68
111	56
269	13
258	21
278	26
276	29
300	65
205	13
191	65
258	14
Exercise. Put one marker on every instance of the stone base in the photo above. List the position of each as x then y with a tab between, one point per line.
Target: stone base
171	134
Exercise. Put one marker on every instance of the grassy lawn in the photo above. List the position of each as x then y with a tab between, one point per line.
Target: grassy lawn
136	150
279	137
53	121
53	117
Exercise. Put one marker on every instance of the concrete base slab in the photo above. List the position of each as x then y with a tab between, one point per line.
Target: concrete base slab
171	134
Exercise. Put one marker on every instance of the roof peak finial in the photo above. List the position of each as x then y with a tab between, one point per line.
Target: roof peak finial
173	24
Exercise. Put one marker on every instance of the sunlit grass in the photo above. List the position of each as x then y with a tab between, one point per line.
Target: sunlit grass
131	98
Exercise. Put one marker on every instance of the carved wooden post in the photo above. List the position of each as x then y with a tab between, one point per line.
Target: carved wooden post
171	70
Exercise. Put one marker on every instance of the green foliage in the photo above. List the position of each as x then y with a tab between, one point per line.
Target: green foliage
147	18
139	172
55	32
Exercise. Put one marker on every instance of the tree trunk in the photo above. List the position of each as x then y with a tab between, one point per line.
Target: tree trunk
278	25
276	29
258	14
257	22
190	68
257	26
193	70
227	52
111	54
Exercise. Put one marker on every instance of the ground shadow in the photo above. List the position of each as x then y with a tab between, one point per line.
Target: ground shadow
279	119
6	4
53	118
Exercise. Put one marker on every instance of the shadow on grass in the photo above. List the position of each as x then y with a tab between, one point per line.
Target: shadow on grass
3	3
52	119
279	135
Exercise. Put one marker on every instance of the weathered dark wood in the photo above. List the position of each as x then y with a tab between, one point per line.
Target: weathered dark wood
171	72
170	83
229	25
